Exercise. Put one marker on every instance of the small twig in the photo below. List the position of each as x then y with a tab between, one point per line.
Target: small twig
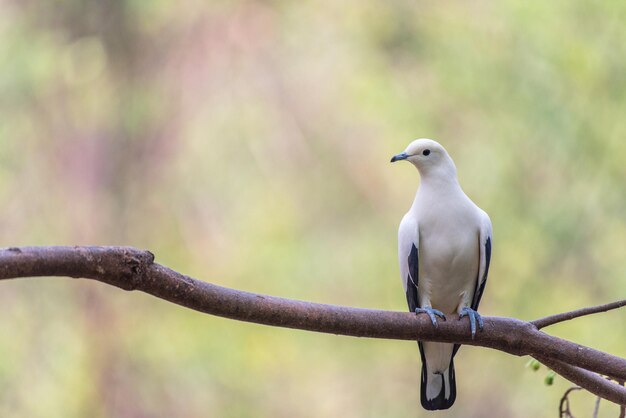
566	316
596	408
622	408
564	406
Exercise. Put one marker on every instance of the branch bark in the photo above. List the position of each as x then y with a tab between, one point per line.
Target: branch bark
132	269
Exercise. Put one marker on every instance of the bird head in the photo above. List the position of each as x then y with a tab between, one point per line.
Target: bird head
428	156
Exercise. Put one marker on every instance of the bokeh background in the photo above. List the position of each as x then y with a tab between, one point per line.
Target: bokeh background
247	143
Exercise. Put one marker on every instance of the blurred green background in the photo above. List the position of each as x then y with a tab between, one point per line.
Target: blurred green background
247	143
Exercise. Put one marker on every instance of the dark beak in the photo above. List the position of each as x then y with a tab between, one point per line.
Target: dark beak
401	156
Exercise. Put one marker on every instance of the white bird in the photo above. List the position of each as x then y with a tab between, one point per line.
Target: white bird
444	248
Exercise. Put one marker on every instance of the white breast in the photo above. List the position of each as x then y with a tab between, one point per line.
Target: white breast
448	253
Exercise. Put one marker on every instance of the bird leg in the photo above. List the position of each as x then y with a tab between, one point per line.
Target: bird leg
431	314
473	317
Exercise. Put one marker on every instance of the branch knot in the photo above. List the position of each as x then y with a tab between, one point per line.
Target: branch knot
137	264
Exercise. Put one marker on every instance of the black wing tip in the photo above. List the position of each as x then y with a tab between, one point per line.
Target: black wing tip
482	281
488	253
414	265
412	279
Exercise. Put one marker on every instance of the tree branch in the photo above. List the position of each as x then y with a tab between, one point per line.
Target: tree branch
566	316
132	269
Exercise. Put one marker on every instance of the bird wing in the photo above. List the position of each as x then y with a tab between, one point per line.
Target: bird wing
408	252
485	240
408	242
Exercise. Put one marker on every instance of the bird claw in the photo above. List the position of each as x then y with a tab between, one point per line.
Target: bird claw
474	317
431	314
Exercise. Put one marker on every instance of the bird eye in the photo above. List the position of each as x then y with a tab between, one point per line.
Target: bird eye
426	152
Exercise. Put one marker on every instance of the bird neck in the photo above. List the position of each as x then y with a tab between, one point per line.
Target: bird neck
439	184
440	179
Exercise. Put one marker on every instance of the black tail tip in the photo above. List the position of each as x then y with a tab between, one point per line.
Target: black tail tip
440	401
437	404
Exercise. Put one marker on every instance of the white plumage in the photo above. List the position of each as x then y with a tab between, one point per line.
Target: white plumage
444	254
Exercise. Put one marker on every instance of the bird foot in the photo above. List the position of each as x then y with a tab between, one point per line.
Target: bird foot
473	317
431	314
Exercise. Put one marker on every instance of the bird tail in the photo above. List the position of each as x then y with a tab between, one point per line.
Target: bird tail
438	390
